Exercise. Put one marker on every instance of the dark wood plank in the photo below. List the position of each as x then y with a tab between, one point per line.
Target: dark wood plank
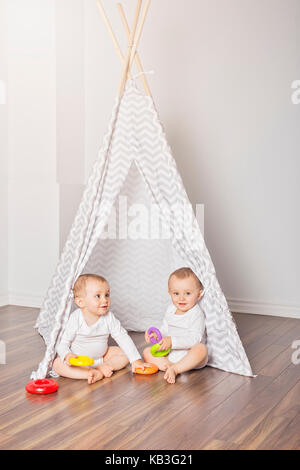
253	414
259	345
250	325
199	422
285	438
274	424
266	357
5	440
278	364
215	444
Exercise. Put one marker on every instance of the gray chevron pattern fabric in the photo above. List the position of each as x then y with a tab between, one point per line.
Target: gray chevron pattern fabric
136	269
135	166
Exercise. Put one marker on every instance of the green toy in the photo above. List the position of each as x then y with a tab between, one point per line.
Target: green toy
156	353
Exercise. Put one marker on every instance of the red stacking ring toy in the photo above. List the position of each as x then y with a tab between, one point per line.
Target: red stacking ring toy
41	386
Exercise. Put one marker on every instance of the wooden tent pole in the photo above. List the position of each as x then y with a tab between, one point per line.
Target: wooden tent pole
136	57
112	34
139	32
131	44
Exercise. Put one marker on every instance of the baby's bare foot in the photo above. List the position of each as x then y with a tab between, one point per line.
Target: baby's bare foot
94	376
170	375
106	370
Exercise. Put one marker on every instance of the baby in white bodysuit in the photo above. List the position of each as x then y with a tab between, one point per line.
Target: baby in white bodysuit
87	332
183	327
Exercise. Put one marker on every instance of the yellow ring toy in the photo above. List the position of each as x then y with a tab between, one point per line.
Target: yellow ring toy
82	361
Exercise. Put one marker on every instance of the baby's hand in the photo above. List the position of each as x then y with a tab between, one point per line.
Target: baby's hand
68	357
152	335
147	337
165	343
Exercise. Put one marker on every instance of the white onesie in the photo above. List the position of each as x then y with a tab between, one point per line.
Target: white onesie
92	341
185	330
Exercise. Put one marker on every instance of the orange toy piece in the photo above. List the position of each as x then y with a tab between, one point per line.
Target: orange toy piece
147	371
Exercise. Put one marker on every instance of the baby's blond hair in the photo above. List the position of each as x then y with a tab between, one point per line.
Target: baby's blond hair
80	284
183	273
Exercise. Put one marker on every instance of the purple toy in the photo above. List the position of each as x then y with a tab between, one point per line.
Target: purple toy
157	332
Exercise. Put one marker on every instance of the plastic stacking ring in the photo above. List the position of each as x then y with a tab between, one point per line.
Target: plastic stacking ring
148	370
156	353
158	333
82	361
41	386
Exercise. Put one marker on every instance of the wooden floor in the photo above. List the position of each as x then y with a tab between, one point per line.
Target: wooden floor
206	409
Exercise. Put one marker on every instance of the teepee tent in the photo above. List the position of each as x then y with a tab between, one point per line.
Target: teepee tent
135	174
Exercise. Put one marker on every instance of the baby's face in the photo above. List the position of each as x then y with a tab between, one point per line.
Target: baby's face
184	293
96	299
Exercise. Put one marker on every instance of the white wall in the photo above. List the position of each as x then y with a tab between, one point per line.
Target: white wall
223	90
32	187
70	110
3	165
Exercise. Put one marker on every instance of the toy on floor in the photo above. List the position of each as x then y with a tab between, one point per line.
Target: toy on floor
156	344
41	386
147	370
81	361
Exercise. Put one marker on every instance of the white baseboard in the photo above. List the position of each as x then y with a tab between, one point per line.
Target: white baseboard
25	300
264	308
